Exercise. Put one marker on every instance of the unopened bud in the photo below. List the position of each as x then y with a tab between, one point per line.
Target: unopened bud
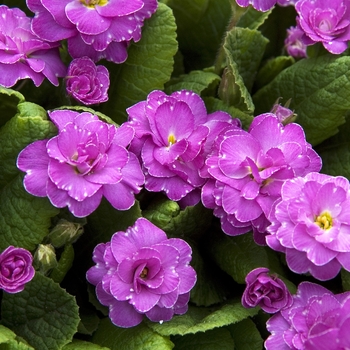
65	232
45	258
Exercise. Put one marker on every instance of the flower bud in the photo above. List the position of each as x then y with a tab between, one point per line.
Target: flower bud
65	232
45	258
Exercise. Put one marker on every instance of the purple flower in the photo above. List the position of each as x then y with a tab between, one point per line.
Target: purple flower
87	82
173	135
248	170
85	161
293	44
327	22
142	272
15	269
96	29
22	54
317	319
264	5
267	291
311	224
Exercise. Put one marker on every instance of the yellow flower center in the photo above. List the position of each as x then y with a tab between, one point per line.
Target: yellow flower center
171	139
144	273
93	3
324	221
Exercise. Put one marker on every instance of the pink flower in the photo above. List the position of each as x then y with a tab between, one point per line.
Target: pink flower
87	82
293	44
142	272
15	269
23	55
173	135
327	22
317	319
264	5
96	29
85	161
311	224
248	169
265	290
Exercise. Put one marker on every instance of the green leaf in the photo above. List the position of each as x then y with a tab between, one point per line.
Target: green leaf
321	100
10	341
64	264
29	124
252	18
213	285
196	81
24	219
106	220
44	314
345	279
201	319
201	25
219	338
214	104
190	222
137	338
89	322
9	100
148	67
246	335
83	345
238	255
271	69
335	153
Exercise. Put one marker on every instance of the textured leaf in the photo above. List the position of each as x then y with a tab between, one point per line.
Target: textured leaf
214	104
196	81
148	67
319	88
246	335
29	124
271	69
238	255
215	339
137	338
201	319
201	25
252	18
83	345
335	153
44	314
10	341
9	100
24	219
189	222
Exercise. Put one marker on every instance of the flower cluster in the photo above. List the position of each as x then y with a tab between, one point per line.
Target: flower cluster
22	54
88	159
96	29
317	319
16	269
87	82
265	290
173	136
311	224
248	169
142	272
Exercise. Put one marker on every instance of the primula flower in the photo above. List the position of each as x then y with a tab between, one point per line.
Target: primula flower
87	82
317	319
293	44
142	272
265	290
94	28
22	54
173	135
85	161
264	5
16	269
247	170
311	224
327	22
